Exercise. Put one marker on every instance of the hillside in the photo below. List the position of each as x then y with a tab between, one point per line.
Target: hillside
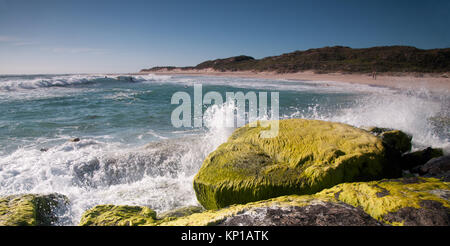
336	59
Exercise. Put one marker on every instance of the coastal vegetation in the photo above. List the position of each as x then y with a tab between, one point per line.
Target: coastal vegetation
395	59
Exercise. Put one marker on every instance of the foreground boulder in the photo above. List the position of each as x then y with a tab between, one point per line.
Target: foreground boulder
31	209
406	201
306	157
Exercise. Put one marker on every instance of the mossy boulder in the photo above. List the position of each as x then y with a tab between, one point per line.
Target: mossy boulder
112	215
31	209
306	157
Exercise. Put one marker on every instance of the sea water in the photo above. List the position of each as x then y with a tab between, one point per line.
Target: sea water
129	152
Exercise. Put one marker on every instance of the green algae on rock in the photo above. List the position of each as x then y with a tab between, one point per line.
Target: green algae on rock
181	212
406	201
31	209
396	140
306	157
111	215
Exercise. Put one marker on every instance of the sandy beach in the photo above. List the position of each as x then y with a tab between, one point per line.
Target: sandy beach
433	82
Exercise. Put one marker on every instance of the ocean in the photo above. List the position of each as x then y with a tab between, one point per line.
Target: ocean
130	153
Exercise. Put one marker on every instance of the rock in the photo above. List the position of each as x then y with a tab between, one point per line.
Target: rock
75	140
111	215
437	167
405	201
31	209
306	157
181	212
394	139
317	213
420	157
43	149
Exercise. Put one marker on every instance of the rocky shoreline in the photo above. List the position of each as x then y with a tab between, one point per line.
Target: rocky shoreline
313	173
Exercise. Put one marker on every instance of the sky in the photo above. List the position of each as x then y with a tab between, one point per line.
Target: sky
108	36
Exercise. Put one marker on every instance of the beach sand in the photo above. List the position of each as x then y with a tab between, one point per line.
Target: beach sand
432	82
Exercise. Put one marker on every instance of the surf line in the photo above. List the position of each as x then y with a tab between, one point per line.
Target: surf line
182	115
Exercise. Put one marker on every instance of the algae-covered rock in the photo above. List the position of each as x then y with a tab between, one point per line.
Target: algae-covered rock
306	157
406	201
419	157
111	215
181	212
31	209
395	140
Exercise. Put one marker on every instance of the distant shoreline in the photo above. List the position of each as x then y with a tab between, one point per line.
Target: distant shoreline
432	82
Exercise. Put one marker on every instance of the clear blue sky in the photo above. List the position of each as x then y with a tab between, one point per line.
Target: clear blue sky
64	36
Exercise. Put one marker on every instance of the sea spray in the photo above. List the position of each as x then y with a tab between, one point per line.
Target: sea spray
130	154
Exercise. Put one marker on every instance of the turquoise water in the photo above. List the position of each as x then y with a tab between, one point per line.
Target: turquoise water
129	151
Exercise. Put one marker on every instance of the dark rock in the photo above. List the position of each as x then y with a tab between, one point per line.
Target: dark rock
420	157
431	213
437	167
43	149
75	140
318	214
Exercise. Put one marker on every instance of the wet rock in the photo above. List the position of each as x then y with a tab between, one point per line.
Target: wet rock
111	215
75	140
404	201
318	213
32	209
394	139
306	157
437	167
420	157
181	212
431	213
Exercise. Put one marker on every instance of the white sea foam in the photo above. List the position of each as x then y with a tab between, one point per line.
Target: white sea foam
102	170
24	83
411	112
93	172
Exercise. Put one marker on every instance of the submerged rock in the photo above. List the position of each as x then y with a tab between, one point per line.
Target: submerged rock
420	157
306	157
31	209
